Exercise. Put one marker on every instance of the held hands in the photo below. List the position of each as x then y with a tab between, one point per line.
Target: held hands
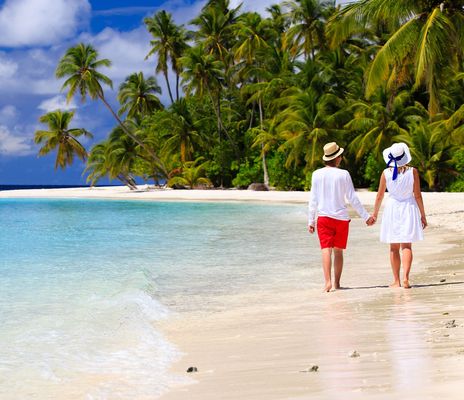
310	228
424	222
371	220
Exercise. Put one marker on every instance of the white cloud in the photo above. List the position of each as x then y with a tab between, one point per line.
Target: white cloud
8	113
11	144
56	103
8	67
126	51
253	5
40	22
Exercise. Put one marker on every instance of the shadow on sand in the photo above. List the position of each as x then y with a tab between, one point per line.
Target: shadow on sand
412	286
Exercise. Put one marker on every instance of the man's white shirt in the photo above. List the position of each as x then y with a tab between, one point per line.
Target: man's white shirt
331	188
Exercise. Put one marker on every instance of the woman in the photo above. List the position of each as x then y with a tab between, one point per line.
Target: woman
403	218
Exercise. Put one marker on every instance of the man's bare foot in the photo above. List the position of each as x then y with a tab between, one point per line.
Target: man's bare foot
327	287
395	284
406	284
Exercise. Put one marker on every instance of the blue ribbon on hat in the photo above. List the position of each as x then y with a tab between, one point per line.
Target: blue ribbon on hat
395	160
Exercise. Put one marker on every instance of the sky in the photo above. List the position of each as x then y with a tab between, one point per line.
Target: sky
34	35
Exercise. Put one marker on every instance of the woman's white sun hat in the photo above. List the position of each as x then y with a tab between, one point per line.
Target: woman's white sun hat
396	156
331	151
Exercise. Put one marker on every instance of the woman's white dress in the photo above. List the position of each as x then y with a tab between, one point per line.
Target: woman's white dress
401	221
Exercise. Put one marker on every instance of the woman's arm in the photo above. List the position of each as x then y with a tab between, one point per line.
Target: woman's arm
418	196
380	195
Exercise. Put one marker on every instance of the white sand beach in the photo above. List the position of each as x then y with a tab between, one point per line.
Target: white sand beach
409	344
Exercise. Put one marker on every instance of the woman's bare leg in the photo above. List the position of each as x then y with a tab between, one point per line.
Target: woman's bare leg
406	260
395	262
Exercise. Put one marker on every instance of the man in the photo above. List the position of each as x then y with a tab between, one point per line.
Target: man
330	187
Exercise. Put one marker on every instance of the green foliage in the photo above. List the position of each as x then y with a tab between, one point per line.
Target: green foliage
256	96
374	167
248	173
458	184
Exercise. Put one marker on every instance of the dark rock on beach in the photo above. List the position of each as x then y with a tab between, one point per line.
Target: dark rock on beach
260	187
451	324
313	368
192	369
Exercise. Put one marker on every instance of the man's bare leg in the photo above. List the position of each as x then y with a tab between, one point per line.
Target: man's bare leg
327	267
338	266
395	262
406	260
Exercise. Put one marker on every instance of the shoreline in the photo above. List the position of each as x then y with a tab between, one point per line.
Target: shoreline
265	345
443	209
260	346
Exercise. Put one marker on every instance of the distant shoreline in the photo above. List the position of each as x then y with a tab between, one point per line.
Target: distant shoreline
443	209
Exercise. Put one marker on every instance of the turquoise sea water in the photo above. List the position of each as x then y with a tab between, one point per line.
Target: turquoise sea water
84	282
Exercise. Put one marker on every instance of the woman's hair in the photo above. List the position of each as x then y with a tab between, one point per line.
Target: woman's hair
402	169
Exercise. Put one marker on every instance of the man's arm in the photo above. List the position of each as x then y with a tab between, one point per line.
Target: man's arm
353	199
312	206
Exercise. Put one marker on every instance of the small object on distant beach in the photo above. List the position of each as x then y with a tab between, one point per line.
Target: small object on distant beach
260	187
192	369
451	324
354	354
446	313
442	280
313	368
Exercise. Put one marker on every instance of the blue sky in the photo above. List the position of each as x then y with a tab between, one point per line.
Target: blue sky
34	34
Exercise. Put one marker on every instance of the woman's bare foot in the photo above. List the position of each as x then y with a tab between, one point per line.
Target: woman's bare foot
406	284
395	284
328	287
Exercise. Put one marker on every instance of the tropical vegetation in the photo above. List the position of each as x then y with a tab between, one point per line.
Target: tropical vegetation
253	97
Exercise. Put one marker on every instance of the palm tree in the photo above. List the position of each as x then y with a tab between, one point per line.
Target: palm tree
80	65
215	27
192	175
377	124
305	125
306	35
427	36
61	138
203	75
137	95
432	157
179	131
99	165
170	42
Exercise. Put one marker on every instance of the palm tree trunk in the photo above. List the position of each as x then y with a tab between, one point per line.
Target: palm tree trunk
134	137
129	183
165	73
177	86
261	118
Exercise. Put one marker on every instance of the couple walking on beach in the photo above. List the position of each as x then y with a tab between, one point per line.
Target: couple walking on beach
403	218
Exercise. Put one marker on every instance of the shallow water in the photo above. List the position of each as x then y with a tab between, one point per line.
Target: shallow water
83	283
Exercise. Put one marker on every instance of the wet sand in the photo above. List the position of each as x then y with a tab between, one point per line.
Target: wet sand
410	342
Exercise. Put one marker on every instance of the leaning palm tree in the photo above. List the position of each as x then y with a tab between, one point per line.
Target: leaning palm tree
426	36
61	138
80	66
137	95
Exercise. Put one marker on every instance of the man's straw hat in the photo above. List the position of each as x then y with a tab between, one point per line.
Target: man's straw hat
331	151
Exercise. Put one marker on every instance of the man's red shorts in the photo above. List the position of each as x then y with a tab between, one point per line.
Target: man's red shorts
332	232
